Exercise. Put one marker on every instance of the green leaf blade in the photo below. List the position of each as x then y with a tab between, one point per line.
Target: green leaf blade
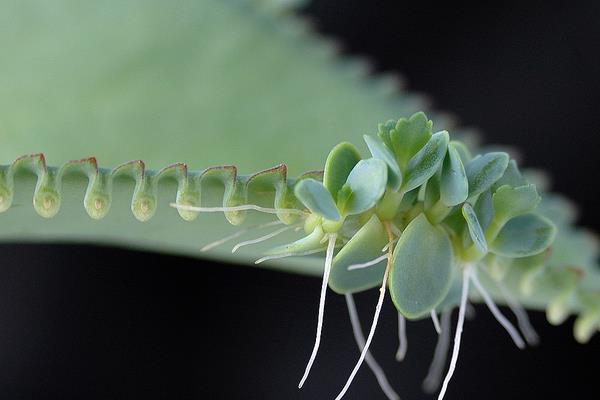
364	246
524	236
380	151
426	162
475	230
340	161
367	181
454	185
510	202
317	199
421	272
483	171
409	136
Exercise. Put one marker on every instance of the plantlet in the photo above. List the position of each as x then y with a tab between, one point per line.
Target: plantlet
438	216
425	216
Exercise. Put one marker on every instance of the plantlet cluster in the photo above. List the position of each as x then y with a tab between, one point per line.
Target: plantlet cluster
422	217
425	218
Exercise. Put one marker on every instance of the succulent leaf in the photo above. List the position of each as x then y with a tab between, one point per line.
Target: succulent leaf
524	236
421	272
364	246
317	199
483	171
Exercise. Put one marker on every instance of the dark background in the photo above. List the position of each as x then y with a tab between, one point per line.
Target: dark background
139	325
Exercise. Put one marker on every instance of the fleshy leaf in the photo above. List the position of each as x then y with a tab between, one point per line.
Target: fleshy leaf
510	202
484	209
426	162
463	151
367	182
317	198
340	161
409	136
421	272
364	246
384	130
512	177
432	192
483	171
380	151
524	236
454	186
475	230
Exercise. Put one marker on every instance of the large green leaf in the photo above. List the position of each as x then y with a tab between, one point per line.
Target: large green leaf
364	246
205	83
421	271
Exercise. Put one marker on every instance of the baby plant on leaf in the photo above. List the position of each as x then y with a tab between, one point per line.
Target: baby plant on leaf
417	216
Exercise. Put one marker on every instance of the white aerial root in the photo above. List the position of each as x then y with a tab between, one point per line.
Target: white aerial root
284	255
459	329
523	321
402	340
238	234
512	331
434	376
262	238
363	354
368	263
371	362
243	207
436	322
327	269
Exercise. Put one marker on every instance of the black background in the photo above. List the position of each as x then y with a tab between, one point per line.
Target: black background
101	323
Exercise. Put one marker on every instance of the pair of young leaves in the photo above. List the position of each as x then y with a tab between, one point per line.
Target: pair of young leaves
407	157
